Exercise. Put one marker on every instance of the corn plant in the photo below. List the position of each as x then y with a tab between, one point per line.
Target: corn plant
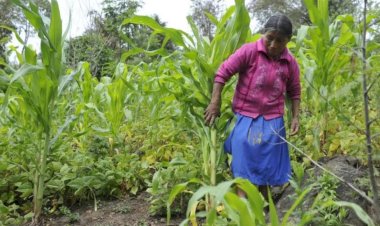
325	56
194	71
230	209
100	105
37	83
83	93
233	210
106	99
330	66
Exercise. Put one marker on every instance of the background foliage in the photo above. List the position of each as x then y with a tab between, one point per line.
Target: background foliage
127	112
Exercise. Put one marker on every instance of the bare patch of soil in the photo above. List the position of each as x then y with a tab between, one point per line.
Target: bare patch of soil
131	211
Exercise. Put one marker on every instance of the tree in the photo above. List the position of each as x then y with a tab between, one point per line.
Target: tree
108	21
12	17
114	12
374	26
296	10
93	48
200	8
6	19
104	41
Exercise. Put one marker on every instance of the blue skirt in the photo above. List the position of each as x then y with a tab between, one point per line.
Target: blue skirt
258	153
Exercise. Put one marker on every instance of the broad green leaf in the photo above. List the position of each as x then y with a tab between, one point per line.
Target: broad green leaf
212	18
25	69
254	198
363	216
197	35
67	79
3	209
30	56
240	206
55	29
211	217
19	39
272	211
298	201
174	34
31	16
201	192
68	121
174	193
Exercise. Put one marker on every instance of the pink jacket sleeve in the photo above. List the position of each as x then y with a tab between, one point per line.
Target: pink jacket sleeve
237	62
293	86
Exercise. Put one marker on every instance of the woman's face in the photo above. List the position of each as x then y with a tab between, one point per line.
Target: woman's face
275	43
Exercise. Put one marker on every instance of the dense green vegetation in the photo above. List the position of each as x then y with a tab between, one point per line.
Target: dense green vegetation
76	127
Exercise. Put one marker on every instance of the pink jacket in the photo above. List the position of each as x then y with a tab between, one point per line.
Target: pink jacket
262	82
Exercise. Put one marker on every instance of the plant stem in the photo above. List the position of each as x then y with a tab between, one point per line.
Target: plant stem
376	204
212	166
213	157
40	178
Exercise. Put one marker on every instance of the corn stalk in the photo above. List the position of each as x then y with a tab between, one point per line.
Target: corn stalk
37	82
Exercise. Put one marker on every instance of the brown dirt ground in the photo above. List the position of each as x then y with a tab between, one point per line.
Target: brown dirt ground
131	211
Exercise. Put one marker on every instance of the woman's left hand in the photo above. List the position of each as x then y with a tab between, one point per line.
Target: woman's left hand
295	126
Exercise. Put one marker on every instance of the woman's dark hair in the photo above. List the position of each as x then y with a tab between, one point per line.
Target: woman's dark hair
279	23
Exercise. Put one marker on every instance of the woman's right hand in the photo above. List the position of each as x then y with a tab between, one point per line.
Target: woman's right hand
211	113
213	109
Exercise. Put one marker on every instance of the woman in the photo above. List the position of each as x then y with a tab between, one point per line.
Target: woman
267	71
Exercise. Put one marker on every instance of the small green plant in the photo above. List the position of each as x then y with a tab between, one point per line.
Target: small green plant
328	215
123	209
9	215
165	179
231	208
73	217
297	180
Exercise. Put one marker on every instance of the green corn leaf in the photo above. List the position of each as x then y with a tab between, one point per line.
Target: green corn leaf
195	31
211	217
272	211
95	108
222	189
30	56
174	34
240	206
34	18
184	222
298	201
363	216
301	34
18	54
212	18
24	70
175	191
19	39
68	121
227	15
201	192
135	51
254	198
66	80
67	28
55	29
